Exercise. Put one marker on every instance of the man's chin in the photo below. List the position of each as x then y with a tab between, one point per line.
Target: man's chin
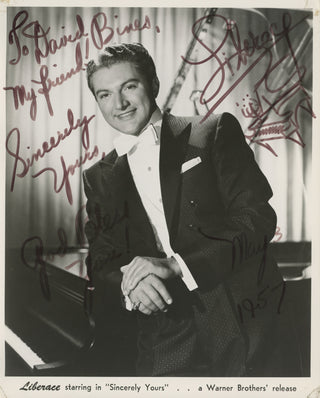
130	130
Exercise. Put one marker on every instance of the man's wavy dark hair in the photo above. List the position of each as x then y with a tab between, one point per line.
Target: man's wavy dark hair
130	52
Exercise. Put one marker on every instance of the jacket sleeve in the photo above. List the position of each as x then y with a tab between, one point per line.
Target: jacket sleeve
248	222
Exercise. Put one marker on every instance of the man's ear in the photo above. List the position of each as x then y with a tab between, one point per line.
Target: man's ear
155	87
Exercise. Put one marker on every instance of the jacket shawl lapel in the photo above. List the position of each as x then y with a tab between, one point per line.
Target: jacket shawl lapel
125	194
175	134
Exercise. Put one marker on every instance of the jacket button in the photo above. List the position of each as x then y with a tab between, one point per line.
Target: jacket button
193	203
191	226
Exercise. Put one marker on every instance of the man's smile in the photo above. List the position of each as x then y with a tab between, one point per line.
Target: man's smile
126	115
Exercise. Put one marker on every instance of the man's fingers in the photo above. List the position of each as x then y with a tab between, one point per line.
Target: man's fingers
137	270
124	268
161	289
147	293
153	300
127	271
149	302
140	270
141	275
144	309
132	282
139	267
127	267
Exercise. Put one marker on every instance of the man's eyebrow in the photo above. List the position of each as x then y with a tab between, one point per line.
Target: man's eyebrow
133	79
103	90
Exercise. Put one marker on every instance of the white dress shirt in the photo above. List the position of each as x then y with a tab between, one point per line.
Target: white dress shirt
143	153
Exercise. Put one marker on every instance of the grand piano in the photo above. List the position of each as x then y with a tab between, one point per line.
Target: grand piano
50	313
55	324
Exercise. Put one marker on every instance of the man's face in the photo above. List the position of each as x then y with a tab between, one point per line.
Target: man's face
124	97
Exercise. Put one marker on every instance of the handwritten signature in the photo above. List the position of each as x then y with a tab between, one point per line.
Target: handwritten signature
22	165
282	79
242	250
34	256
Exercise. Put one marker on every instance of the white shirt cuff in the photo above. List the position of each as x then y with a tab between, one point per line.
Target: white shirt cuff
127	303
187	277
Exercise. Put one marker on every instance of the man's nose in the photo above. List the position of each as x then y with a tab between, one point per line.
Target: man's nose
120	101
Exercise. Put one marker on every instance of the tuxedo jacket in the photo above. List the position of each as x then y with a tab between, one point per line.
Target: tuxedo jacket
219	222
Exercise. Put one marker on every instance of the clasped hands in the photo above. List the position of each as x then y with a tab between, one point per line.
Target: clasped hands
142	282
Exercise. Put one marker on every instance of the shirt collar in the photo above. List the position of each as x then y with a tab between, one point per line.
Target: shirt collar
156	118
124	142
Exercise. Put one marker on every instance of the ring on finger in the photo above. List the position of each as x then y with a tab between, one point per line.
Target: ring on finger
136	306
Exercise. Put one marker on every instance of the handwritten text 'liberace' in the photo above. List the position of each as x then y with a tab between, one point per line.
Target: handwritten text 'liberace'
22	165
281	80
101	33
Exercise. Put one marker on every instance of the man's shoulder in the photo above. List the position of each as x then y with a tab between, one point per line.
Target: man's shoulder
195	121
200	124
97	167
207	124
202	129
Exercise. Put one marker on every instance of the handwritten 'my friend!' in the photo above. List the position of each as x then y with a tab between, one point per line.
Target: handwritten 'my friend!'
43	44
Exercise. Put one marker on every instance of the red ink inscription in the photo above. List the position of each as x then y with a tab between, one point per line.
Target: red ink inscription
34	31
100	33
67	171
22	165
20	96
278	235
281	80
43	46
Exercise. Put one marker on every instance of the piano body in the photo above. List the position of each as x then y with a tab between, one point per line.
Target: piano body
62	328
50	320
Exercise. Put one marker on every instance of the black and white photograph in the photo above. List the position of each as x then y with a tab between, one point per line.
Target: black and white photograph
161	203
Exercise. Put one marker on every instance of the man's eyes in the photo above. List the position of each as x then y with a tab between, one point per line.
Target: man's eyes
127	87
104	96
130	86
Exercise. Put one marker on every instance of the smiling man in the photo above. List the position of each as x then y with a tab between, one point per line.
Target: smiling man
179	225
124	97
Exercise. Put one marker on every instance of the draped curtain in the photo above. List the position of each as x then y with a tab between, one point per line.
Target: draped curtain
55	131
